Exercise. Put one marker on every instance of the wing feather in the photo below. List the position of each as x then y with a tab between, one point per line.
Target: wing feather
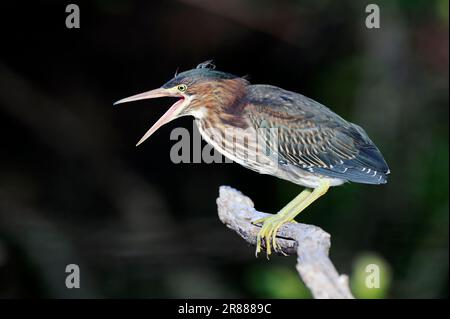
313	138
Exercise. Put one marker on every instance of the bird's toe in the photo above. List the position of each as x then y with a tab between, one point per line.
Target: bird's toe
268	233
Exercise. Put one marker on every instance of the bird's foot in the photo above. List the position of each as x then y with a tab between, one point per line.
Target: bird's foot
268	232
271	224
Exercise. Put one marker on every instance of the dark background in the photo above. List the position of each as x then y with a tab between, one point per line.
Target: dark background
75	189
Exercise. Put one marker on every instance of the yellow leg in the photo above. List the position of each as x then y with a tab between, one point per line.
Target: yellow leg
271	224
298	199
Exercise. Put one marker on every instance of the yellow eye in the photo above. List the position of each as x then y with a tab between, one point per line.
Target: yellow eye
182	87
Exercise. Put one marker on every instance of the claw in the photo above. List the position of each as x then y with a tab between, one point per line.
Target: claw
268	233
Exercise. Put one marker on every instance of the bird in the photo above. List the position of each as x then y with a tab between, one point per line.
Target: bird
274	131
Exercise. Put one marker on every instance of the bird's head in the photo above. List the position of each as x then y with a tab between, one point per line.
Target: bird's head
199	91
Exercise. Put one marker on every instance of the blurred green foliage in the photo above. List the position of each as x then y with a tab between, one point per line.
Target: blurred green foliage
371	277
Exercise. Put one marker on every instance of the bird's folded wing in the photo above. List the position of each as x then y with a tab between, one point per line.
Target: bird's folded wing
313	138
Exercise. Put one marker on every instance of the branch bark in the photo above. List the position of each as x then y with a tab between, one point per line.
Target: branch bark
310	243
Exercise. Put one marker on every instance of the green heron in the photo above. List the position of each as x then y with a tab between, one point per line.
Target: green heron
312	146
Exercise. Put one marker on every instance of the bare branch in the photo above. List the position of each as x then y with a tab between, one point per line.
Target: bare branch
310	243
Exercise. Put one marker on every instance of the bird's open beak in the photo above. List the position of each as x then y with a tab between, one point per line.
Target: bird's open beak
171	113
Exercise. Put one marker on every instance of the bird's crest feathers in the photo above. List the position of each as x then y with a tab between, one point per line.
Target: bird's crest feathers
207	65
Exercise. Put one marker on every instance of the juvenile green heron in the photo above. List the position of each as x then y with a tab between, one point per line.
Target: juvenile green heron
312	146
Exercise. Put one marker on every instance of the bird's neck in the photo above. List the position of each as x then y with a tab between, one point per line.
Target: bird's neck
226	103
